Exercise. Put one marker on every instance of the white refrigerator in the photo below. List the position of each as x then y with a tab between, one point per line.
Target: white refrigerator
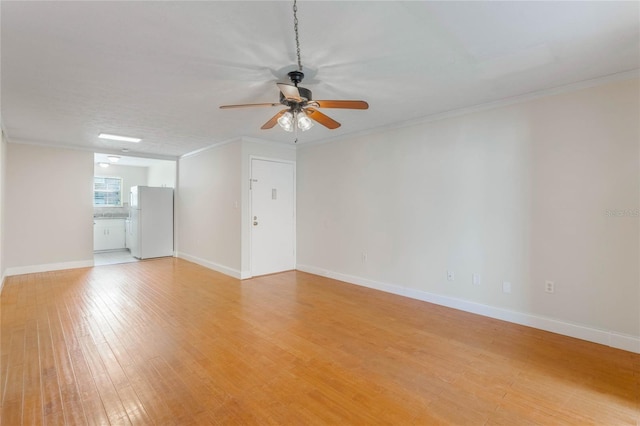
151	222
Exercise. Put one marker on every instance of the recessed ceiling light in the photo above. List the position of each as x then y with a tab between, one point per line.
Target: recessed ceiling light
103	165
113	158
118	138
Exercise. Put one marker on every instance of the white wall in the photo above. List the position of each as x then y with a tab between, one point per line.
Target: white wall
162	173
213	223
49	209
518	194
208	208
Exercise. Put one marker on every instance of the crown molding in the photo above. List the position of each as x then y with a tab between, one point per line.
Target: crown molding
269	143
207	148
20	141
572	87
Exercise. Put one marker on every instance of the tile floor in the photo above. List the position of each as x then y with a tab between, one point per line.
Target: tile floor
113	257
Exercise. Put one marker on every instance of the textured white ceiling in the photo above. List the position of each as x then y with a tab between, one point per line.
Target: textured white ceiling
159	70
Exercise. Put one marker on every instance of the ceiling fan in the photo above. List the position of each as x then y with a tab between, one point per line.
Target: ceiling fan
301	109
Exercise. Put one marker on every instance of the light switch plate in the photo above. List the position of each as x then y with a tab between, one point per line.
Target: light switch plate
475	279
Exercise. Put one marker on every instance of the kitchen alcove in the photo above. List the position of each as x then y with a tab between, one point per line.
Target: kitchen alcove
111	213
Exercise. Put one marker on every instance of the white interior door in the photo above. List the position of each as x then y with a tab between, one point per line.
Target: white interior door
272	217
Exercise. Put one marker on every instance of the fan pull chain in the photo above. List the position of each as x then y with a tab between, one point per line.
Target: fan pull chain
295	28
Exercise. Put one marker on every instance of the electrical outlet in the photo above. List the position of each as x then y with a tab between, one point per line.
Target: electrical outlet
475	279
506	287
450	276
549	286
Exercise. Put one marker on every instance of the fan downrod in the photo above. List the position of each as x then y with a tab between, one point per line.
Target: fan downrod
296	77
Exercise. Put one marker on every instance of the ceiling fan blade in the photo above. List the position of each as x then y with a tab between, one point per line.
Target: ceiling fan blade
342	104
272	122
325	120
289	91
249	105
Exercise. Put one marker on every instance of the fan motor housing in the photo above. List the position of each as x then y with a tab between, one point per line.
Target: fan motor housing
305	94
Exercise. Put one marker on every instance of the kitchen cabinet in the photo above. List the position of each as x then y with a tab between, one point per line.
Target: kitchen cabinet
108	234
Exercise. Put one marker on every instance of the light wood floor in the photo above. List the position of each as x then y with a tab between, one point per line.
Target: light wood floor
169	342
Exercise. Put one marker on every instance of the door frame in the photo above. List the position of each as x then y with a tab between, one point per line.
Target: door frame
250	216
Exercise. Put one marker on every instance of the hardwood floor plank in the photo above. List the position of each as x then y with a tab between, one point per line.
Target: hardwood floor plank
167	342
11	413
69	391
94	411
92	356
175	403
110	400
83	377
133	406
32	410
56	418
50	389
152	402
14	387
111	365
172	381
74	411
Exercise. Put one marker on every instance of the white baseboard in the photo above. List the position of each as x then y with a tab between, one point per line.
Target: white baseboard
32	269
603	337
623	341
235	273
2	283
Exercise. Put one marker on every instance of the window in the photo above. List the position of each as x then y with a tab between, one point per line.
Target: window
107	191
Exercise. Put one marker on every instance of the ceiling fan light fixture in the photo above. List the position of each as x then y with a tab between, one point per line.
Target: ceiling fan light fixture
286	121
301	112
304	122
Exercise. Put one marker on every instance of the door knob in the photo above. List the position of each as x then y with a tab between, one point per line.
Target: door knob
255	223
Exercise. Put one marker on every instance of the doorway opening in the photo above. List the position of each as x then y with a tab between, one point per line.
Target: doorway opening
114	176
